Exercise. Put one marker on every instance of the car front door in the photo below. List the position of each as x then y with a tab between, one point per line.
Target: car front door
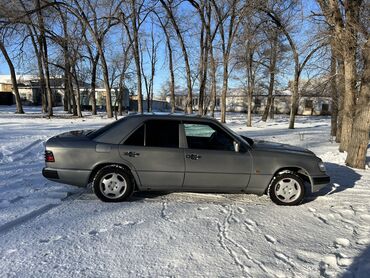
153	151
211	162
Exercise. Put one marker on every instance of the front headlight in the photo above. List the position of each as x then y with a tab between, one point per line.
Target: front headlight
322	166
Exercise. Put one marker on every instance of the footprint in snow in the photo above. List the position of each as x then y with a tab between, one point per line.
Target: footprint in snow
47	240
329	266
95	232
270	239
308	256
282	257
240	210
223	210
346	213
341	242
202	208
366	218
10	251
312	209
234	219
250	224
344	261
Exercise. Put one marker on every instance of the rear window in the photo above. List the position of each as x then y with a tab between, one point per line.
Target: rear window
103	129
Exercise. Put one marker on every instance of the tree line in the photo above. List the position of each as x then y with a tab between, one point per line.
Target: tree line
205	45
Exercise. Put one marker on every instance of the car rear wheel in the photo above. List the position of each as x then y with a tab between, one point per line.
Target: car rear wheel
287	189
113	184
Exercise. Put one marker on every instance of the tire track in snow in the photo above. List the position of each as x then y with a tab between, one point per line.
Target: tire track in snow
21	154
5	228
26	148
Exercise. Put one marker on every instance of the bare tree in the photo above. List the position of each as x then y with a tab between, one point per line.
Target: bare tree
165	27
98	27
282	25
361	125
344	19
13	75
149	79
227	18
273	55
44	55
138	13
168	6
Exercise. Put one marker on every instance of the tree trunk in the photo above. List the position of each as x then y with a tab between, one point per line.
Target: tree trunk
294	99
272	69
72	94
13	77
78	94
66	92
250	99
213	94
348	100
203	69
93	84
172	78
334	94
272	109
108	96
189	100
225	84
45	59
341	92
360	133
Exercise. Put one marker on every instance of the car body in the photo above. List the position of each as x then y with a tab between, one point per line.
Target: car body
178	153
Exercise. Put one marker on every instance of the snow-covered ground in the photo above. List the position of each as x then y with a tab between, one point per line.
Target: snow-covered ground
54	230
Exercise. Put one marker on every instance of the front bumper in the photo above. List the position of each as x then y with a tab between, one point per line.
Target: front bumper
320	182
68	176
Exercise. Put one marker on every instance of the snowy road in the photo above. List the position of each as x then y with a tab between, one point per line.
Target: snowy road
49	229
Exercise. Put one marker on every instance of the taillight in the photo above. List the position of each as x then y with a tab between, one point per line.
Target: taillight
49	156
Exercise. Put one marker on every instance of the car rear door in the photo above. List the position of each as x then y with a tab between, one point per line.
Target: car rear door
153	151
211	162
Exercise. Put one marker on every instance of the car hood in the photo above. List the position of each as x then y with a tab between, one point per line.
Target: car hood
279	147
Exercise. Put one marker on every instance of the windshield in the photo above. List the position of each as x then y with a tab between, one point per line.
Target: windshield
247	139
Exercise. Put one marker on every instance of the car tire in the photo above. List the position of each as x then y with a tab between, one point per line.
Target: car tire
287	189
113	184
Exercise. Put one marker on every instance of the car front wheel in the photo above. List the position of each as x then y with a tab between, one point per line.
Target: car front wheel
113	184
287	189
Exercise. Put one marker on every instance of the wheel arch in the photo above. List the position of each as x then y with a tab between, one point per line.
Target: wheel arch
100	166
300	171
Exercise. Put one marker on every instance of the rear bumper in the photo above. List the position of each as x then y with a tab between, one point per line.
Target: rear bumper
68	176
320	182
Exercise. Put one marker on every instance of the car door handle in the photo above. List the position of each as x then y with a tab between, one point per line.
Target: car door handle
132	154
193	156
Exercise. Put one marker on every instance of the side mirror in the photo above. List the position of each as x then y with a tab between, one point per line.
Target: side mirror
236	146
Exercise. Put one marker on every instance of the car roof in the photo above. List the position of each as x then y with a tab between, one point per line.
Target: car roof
170	116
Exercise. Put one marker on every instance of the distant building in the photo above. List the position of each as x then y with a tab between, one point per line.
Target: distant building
314	99
30	92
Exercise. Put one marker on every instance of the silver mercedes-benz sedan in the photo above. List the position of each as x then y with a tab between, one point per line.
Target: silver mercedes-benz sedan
180	153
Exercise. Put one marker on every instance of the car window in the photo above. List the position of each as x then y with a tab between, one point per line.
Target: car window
136	138
207	136
161	133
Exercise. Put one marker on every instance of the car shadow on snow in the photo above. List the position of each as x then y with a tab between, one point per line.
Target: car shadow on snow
147	195
360	266
341	179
